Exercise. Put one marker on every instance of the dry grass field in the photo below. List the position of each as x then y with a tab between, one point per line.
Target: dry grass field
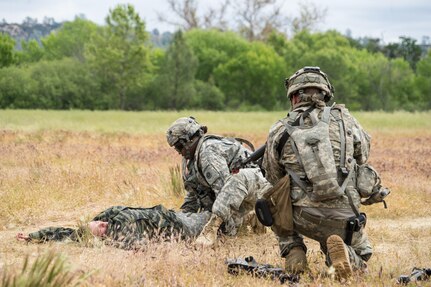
57	168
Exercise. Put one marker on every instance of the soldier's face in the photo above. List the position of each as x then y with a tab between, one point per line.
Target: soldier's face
179	147
98	228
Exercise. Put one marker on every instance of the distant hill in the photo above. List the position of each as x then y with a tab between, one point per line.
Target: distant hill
31	29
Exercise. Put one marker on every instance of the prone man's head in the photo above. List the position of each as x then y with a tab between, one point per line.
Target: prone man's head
98	228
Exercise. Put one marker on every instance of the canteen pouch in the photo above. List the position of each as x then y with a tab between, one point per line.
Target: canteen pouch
277	202
367	180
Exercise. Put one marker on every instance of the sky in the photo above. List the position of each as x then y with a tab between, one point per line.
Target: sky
384	19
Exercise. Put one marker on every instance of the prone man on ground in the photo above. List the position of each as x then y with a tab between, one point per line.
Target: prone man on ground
128	227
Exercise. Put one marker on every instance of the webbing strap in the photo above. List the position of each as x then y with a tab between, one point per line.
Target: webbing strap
296	179
313	117
295	150
301	120
247	142
340	122
326	113
285	135
347	192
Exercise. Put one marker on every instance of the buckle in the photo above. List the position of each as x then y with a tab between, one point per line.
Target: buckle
344	170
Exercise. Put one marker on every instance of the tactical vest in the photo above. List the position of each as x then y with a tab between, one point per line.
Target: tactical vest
238	153
192	181
192	174
313	150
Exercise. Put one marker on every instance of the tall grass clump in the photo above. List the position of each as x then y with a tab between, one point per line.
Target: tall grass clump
176	181
47	270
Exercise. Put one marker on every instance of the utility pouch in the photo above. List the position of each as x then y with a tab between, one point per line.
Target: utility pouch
263	212
277	204
367	180
354	224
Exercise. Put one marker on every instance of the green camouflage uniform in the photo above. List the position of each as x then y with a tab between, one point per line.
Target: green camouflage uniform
335	211
130	228
211	186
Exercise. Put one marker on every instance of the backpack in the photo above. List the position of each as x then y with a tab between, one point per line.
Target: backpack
313	151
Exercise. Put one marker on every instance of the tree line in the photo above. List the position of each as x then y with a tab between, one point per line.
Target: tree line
115	66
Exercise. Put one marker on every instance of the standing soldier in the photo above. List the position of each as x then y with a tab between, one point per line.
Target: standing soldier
211	180
322	151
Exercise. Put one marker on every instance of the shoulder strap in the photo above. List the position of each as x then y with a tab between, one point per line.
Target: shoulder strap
285	135
347	192
197	158
326	114
247	142
336	113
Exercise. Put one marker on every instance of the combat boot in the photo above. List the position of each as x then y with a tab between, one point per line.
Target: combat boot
339	257
208	236
296	261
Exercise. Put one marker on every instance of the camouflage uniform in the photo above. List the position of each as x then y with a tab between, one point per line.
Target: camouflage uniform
130	228
320	219
211	185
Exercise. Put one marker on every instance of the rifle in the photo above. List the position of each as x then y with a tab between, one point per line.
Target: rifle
250	266
418	274
254	157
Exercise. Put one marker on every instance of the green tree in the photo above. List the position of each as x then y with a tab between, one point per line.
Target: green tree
253	79
7	54
208	97
17	88
175	83
250	75
362	80
65	84
62	84
118	53
406	49
332	53
214	48
423	81
69	40
31	52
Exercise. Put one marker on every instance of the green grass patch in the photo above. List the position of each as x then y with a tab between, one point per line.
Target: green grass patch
157	122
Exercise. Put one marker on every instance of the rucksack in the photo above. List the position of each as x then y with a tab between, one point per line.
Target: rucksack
313	151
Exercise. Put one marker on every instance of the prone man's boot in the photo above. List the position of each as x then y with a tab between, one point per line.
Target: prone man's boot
339	257
208	236
296	261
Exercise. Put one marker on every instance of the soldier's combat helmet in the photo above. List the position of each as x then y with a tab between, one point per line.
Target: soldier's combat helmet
182	131
308	77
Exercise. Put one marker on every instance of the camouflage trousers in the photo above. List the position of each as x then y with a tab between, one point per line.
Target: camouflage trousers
359	251
238	197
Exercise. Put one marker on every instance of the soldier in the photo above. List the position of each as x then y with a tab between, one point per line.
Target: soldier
320	150
129	228
210	179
